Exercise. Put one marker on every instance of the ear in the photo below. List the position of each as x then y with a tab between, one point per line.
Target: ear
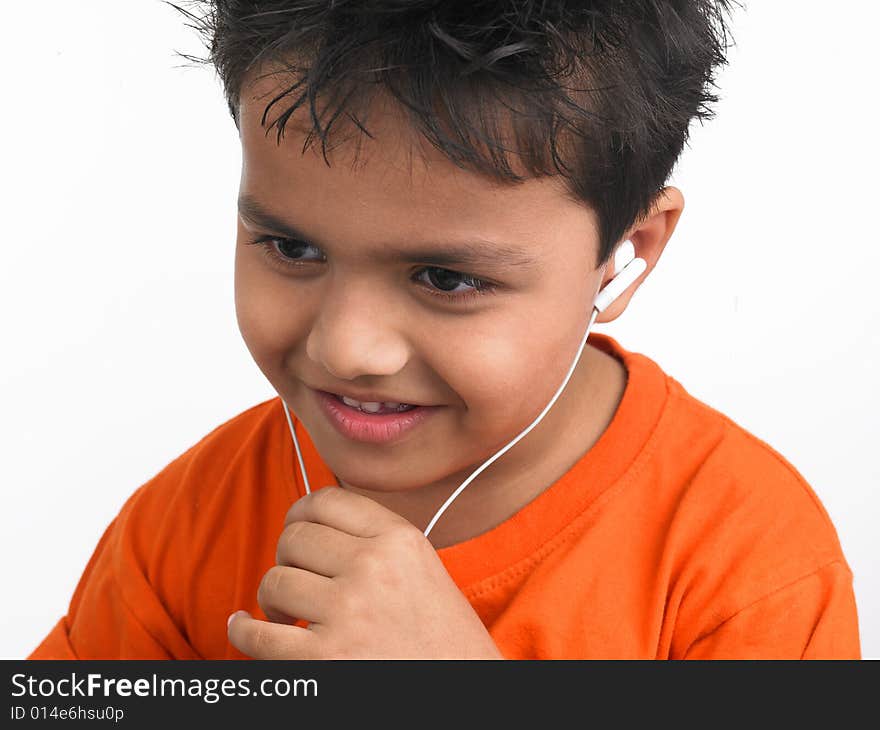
649	238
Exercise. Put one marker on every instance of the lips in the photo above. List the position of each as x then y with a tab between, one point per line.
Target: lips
379	427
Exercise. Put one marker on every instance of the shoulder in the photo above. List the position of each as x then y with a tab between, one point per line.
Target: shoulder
745	521
184	546
743	472
716	491
234	452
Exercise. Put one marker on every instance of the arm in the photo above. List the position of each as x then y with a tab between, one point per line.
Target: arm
114	612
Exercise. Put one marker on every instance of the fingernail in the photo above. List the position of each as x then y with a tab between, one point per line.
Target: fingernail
233	615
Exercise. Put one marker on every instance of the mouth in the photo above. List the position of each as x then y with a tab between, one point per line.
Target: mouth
371	421
373	407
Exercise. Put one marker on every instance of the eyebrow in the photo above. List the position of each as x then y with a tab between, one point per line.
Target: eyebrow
479	252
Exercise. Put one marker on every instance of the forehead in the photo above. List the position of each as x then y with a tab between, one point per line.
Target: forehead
397	178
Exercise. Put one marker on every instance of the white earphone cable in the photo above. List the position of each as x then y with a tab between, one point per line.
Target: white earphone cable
528	428
302	469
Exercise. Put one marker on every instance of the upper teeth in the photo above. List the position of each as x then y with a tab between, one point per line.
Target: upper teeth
368	407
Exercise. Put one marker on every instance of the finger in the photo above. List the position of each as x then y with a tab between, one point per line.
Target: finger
287	593
265	640
346	511
317	548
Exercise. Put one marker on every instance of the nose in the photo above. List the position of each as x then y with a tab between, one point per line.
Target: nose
354	335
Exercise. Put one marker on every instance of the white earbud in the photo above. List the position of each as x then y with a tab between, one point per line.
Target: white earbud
625	253
626	270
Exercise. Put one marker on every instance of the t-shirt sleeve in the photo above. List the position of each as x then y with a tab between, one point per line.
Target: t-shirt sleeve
57	644
185	549
813	617
115	613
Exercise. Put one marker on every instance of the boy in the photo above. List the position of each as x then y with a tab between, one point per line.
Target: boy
416	306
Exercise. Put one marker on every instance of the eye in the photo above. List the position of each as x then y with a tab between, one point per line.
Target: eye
287	251
447	283
445	279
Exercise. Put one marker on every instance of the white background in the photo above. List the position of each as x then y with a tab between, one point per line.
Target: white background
121	349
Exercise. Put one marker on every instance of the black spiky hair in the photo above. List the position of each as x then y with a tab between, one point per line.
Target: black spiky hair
599	92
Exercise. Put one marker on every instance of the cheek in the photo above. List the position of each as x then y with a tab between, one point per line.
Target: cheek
269	316
506	374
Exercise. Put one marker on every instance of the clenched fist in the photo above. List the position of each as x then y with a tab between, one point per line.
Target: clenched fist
369	584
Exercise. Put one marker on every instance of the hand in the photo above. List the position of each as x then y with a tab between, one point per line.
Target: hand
369	583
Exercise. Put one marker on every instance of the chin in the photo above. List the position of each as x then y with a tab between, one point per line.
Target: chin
385	477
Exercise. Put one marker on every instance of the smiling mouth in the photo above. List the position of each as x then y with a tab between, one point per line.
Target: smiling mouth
359	423
373	409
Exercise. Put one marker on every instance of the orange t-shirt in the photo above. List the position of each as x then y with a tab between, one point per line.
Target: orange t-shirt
678	535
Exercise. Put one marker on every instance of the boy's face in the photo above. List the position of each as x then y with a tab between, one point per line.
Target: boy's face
357	315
